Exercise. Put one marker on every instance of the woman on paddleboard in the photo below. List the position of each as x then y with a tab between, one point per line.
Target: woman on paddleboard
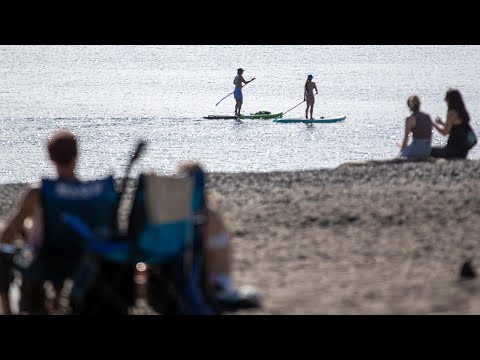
308	95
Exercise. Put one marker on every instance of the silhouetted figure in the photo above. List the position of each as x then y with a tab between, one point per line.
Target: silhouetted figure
237	93
467	271
420	125
309	96
461	137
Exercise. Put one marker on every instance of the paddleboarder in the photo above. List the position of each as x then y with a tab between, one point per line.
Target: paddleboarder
237	93
308	95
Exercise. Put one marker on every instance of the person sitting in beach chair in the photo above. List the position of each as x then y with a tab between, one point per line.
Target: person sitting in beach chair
162	234
163	223
217	252
203	284
56	252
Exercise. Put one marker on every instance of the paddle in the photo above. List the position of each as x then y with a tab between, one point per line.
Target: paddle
233	92
136	155
295	106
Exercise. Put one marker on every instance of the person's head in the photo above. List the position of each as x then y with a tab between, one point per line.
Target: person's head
195	170
455	102
240	71
62	148
189	167
413	103
309	77
212	199
454	98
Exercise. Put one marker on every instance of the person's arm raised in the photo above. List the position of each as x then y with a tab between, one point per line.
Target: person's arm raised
445	128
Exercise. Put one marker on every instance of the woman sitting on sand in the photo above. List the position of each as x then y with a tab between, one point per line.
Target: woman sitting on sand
420	125
461	137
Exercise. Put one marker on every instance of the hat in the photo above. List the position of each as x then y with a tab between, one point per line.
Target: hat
310	76
240	69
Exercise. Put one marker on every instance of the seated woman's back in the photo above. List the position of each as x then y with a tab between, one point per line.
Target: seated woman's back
419	124
423	126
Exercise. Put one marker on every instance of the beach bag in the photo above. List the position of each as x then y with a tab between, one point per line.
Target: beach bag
471	138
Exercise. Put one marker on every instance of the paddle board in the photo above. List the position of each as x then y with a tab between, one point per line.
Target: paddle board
310	121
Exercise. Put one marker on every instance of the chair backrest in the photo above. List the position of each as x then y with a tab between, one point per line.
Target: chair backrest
93	201
164	220
164	217
161	222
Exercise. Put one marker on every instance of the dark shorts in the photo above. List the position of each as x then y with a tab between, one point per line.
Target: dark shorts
237	94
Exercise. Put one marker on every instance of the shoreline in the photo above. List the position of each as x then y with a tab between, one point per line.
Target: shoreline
377	237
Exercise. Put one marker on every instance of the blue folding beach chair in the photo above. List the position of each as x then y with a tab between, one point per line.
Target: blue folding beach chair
61	251
96	203
163	232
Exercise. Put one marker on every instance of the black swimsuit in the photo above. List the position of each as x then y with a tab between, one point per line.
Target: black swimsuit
457	144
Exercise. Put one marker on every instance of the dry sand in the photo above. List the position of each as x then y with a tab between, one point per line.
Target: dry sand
372	238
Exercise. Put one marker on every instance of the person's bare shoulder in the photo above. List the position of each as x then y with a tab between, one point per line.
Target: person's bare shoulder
34	188
31	197
452	112
410	120
452	115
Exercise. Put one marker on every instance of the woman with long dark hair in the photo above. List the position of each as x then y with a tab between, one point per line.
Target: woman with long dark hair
461	137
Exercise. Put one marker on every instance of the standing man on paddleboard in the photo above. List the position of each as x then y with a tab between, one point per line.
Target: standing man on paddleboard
237	93
308	95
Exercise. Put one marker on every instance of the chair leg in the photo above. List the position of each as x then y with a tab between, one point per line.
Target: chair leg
32	298
103	297
161	294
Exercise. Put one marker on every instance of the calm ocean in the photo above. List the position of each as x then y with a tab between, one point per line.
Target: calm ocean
112	96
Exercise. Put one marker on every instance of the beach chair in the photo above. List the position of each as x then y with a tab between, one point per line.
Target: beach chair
164	233
96	203
61	251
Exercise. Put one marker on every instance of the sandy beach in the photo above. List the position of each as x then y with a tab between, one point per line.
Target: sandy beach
363	238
